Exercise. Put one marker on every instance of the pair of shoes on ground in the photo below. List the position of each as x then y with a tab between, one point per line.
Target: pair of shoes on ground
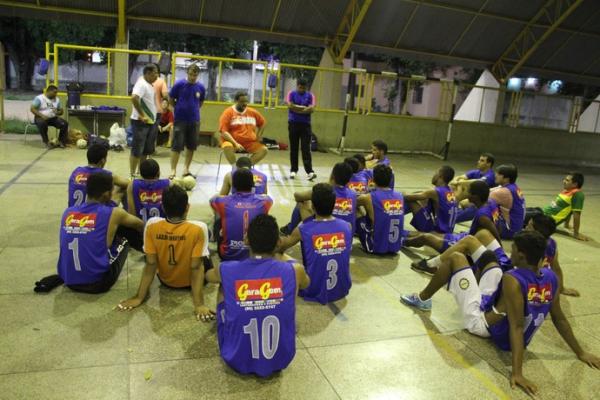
311	176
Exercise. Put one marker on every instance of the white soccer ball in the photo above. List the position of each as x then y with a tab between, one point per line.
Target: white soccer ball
178	182
189	182
82	144
54	141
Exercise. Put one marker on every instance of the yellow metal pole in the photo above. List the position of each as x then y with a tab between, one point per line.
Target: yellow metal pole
121	29
359	92
371	93
47	58
55	64
173	68
264	90
277	87
108	75
320	85
219	81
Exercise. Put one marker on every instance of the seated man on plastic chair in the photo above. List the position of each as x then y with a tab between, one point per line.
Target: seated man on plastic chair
238	127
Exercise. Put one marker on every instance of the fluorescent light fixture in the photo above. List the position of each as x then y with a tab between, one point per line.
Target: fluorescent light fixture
389	74
358	70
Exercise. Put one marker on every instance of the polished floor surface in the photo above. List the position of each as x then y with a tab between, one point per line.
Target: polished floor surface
66	345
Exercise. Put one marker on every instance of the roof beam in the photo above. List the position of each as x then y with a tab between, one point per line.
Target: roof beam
462	35
528	40
353	17
275	15
408	22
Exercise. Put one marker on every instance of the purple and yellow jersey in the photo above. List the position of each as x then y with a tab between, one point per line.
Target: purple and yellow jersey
517	211
147	198
235	212
489	177
260	181
447	210
256	325
550	253
77	184
345	205
490	210
359	182
326	247
84	257
538	293
369	173
386	234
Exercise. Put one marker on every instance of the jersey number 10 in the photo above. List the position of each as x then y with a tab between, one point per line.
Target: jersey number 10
269	335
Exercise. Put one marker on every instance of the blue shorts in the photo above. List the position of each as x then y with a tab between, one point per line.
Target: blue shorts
451	239
423	220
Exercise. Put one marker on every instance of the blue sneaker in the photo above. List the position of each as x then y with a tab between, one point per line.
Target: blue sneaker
414	301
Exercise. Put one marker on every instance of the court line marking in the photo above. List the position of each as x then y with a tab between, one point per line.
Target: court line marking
22	172
439	340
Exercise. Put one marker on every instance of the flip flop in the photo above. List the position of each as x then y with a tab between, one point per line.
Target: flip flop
171	177
189	174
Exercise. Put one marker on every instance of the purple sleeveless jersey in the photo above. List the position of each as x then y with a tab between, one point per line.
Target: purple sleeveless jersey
260	181
538	293
345	205
147	198
256	325
385	234
326	247
490	210
517	211
445	215
359	182
84	256
489	177
77	184
550	253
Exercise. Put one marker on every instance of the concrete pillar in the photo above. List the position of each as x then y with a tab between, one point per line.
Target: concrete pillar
327	86
120	71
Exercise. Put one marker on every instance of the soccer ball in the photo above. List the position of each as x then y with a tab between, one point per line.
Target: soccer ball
54	141
189	182
178	182
81	143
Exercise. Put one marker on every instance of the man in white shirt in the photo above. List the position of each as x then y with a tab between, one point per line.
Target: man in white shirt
46	109
142	117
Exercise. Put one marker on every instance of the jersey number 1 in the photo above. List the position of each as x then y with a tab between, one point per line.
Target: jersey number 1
74	247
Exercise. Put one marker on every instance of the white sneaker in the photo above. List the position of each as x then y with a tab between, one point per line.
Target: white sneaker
292	175
312	176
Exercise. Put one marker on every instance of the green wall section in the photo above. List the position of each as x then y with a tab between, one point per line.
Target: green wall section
414	134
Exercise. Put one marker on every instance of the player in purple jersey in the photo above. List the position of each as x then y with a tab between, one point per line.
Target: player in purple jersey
378	156
260	179
487	217
546	226
359	181
256	304
92	253
508	307
434	209
381	230
326	245
510	199
96	156
234	213
345	202
144	196
460	184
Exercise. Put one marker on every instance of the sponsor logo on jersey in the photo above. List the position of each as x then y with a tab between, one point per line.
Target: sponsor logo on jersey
495	214
358	187
329	243
393	206
240	120
77	222
258	289
258	180
450	197
342	206
150	196
519	193
81	178
539	294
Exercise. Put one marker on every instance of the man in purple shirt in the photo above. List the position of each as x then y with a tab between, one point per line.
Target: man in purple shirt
483	172
301	104
186	96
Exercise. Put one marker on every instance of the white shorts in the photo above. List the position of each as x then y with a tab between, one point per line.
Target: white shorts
467	294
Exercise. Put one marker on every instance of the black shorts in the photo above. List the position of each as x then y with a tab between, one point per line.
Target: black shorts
185	133
144	138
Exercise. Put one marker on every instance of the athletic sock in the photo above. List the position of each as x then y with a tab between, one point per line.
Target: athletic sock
477	253
434	262
493	245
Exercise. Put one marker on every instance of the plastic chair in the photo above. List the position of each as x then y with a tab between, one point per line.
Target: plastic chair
219	166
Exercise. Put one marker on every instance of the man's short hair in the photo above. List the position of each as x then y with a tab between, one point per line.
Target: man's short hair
239	94
243	162
380	145
480	189
361	159
353	163
508	171
544	224
149	68
95	153
193	68
341	173
577	178
489	157
174	201
446	173
263	234
149	169
532	244
382	175
323	199
301	82
98	183
242	180
52	88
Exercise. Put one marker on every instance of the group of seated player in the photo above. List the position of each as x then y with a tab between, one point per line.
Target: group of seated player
504	297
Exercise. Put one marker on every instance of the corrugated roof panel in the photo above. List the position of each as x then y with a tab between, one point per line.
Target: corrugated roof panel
439	36
256	13
487	39
311	16
471	4
585	13
384	22
548	48
524	10
576	55
96	5
179	9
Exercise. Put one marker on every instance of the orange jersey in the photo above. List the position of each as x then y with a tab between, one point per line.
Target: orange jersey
175	244
242	126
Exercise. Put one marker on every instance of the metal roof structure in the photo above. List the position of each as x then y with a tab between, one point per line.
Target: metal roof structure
548	38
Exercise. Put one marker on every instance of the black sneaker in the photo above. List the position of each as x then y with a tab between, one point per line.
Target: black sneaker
421	266
312	176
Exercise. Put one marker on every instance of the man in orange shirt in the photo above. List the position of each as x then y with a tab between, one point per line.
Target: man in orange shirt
174	251
238	126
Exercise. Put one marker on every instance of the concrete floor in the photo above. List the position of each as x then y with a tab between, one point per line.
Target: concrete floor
66	345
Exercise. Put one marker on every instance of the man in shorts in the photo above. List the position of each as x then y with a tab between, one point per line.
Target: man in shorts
241	129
